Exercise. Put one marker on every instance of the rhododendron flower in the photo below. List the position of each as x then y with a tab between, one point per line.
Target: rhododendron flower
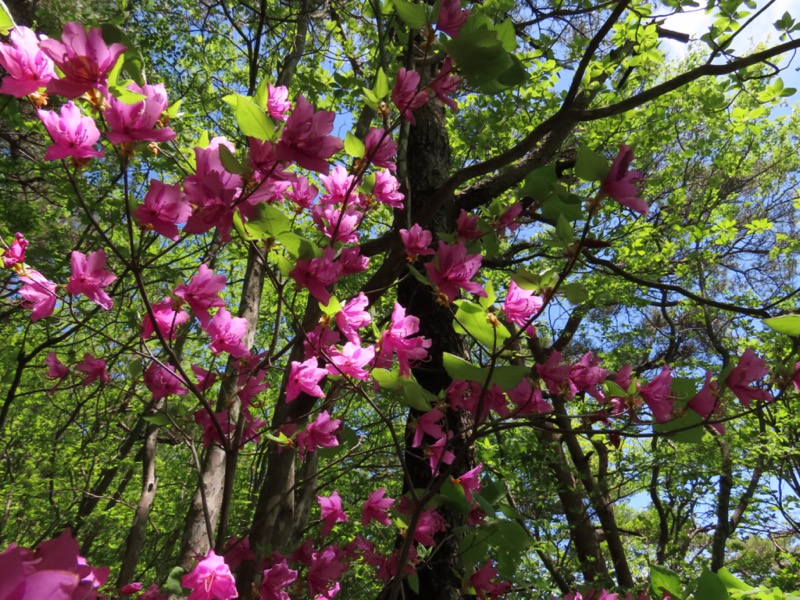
796	378
508	220
331	512
305	377
131	588
429	524
227	333
453	268
56	571
205	379
167	320
302	192
163	381
317	274
446	85
318	434
39	294
353	316
351	360
73	135
528	400
325	568
339	185
305	138
55	370
351	261
587	375
521	304
428	424
557	375
416	241
15	255
94	368
216	425
386	190
376	508
471	481
132	122
620	183
83	57
262	159
89	277
706	402
202	292
438	454
398	339
278	102
656	395
451	18
467	226
406	95
485	581
211	579
750	368
28	67
273	579
340	227
380	148
164	206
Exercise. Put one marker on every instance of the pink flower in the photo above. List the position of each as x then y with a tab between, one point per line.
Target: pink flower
167	320
485	581
380	148
796	378
317	274
28	67
73	135
15	255
305	138
750	368
620	183
351	360
205	379
398	339
318	434
303	193
429	524
89	277
353	316
438	454
325	568
94	368
164	206
339	185
163	381
83	57
278	102
339	226
428	424
416	241
277	577
471	481
387	190
351	261
520	304
39	294
706	403
446	85
211	579
453	268
467	227
131	588
262	159
227	333
587	374
406	96
656	395
133	122
215	425
55	370
528	399
331	512
451	17
202	292
305	377
376	508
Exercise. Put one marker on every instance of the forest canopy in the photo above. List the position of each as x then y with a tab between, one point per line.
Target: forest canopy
399	300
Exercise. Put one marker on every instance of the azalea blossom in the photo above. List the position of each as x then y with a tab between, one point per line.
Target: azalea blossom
521	304
226	334
486	584
401	339
387	190
325	568
302	192
83	57
38	293
706	403
55	370
406	95
620	183
321	433
749	369
353	317
351	360
445	85
167	320
331	512
376	508
556	375
305	377
657	396
202	292
429	424
317	274
305	140
528	399
211	579
340	185
380	149
73	135
133	122
467	226
278	102
163	208
15	255
28	67
89	277
453	268
163	381
94	368
273	579
416	241
451	18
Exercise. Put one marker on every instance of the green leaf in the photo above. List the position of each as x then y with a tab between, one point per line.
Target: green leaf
269	222
386	379
419	276
731	582
483	326
252	121
709	587
134	63
453	493
123	94
353	146
490	298
576	292
333	307
261	96
159	419
415	396
6	20
413	583
591	166
690	422
506	378
172	111
229	161
298	246
665	580
381	87
413	15
785	324
173	583
564	231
